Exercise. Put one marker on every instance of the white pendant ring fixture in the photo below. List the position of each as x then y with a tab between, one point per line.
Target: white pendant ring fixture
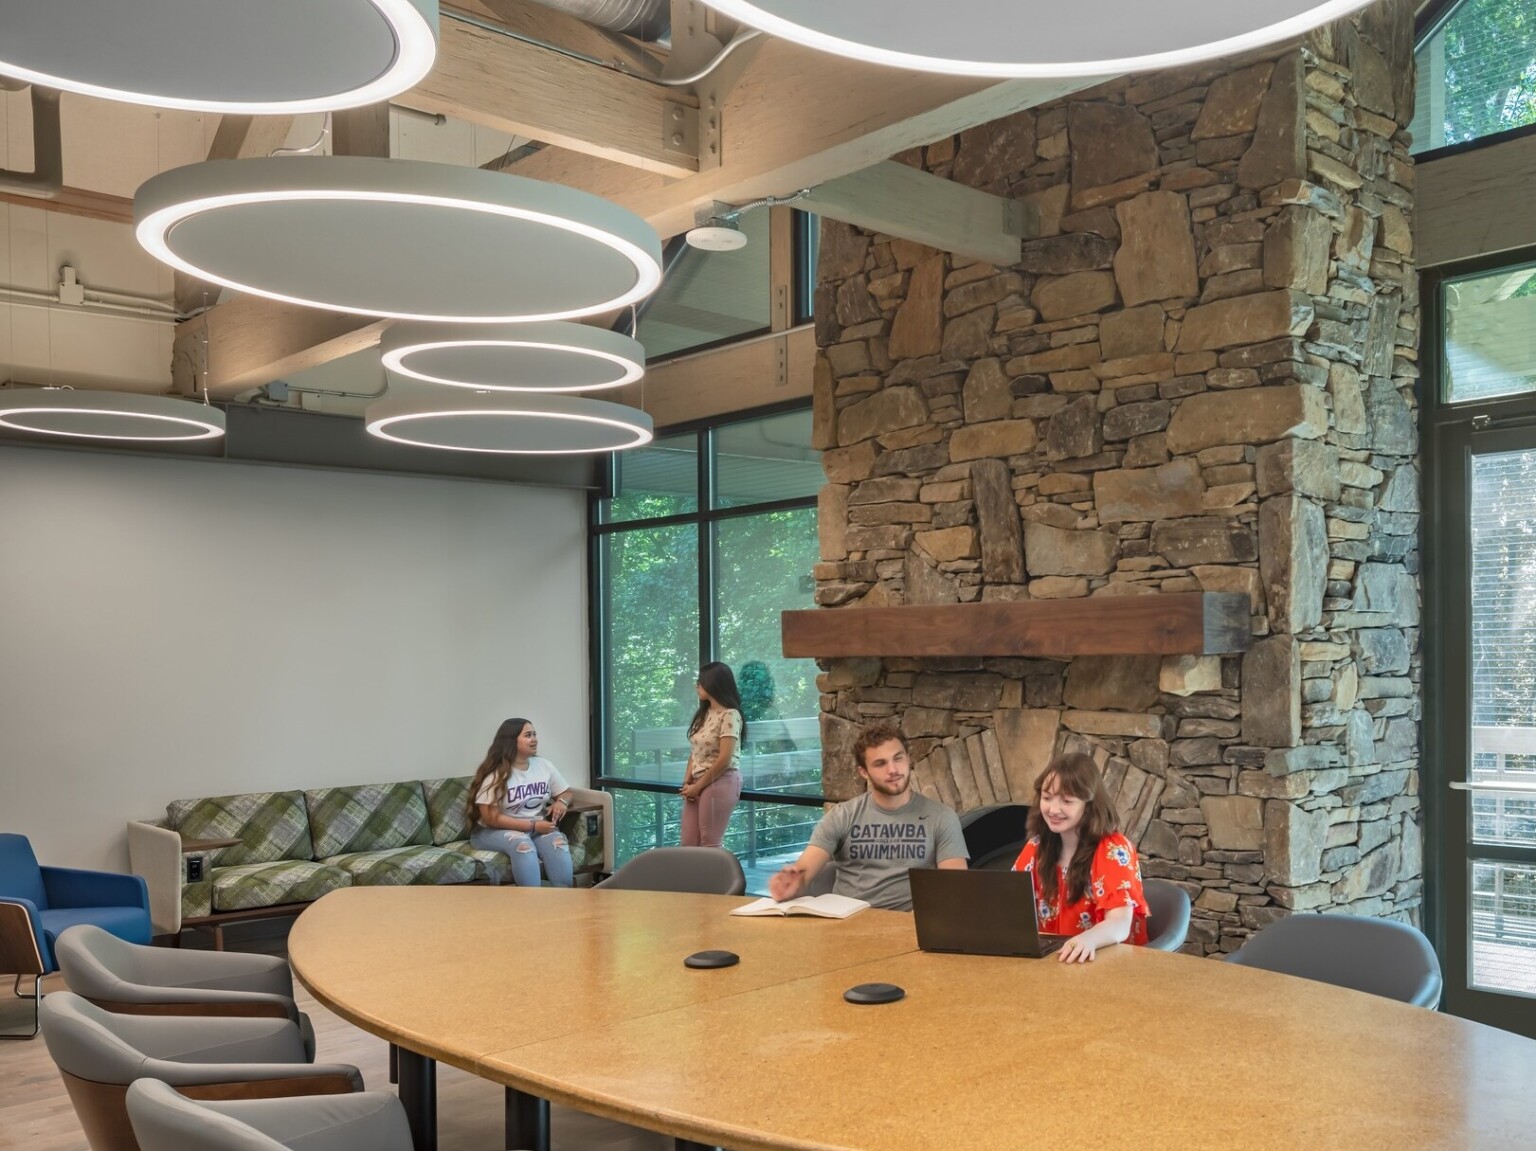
549	357
90	415
245	56
502	424
1009	39
402	239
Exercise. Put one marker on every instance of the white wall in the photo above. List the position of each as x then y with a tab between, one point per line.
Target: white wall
177	628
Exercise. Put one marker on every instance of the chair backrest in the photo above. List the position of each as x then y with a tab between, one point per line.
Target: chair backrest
703	870
1168	918
95	962
1379	956
20	875
165	1120
994	835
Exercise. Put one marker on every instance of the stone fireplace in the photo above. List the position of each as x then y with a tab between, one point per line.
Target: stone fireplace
1200	376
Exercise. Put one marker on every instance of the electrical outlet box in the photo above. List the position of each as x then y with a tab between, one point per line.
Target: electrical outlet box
194	869
593	822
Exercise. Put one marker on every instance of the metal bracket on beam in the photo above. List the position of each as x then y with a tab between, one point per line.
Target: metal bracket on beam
680	128
696	46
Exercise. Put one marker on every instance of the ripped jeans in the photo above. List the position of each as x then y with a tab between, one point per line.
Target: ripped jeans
526	852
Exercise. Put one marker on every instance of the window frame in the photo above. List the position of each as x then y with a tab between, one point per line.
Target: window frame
1446	432
1425	25
704	517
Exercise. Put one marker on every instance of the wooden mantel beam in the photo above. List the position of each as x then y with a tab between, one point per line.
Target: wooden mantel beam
1177	623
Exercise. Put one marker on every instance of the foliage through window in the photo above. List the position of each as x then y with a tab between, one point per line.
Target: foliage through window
707	537
1476	73
1490	334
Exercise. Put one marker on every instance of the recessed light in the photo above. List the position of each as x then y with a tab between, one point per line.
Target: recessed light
91	415
1006	38
550	357
399	238
247	56
502	424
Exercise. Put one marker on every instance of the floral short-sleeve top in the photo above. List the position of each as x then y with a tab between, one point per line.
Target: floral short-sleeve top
1113	881
719	723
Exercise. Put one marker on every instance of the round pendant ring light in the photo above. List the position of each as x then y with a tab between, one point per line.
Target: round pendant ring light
551	357
91	415
247	56
1006	38
526	424
402	239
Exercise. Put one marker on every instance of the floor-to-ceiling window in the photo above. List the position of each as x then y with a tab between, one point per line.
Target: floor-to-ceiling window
709	533
1480	633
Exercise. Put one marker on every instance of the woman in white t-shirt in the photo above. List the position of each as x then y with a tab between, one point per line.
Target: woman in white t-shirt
516	802
712	780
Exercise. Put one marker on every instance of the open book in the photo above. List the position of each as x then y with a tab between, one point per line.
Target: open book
827	906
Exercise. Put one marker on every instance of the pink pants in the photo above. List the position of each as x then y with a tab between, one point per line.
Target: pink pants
705	819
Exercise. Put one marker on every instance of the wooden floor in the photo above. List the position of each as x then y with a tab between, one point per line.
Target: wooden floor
35	1113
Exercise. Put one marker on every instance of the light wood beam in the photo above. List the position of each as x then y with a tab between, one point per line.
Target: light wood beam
248	341
903	201
522	90
361	131
77	202
798	118
1475	203
751	374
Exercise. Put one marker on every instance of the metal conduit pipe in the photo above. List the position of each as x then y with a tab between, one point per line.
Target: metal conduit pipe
647	20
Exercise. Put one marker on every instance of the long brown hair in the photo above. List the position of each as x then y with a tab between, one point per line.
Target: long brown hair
499	758
1078	776
717	680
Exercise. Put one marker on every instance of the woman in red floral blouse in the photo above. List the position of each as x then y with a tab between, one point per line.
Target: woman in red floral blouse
1087	879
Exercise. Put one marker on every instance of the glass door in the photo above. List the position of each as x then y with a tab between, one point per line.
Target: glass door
1480	635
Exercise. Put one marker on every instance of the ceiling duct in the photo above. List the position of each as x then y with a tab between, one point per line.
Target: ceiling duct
648	20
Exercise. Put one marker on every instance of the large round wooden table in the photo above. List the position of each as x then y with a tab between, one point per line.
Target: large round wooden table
581	997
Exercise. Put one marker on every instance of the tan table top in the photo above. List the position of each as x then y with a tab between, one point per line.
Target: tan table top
1140	1047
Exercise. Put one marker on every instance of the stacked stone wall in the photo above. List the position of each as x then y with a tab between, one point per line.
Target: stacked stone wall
1199	376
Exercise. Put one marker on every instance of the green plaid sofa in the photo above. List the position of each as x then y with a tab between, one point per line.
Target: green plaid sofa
294	846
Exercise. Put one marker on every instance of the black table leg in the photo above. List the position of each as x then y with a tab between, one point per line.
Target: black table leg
527	1121
690	1145
394	1064
418	1095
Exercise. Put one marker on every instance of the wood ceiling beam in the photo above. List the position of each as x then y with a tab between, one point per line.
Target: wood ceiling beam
77	202
796	118
523	90
248	341
904	201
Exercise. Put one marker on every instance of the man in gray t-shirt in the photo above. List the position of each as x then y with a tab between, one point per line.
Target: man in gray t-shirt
875	838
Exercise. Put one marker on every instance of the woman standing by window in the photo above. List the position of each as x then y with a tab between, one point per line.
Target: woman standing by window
712	779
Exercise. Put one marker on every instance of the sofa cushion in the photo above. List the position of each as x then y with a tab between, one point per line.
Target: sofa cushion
269	884
270	825
404	866
367	817
489	865
445	808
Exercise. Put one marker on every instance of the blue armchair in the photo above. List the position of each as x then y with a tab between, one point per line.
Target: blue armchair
60	897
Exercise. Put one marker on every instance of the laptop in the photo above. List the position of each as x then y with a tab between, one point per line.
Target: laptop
978	913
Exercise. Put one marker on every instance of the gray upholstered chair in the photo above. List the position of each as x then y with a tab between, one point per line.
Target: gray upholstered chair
130	978
99	1054
1168	921
166	1120
702	870
1380	956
